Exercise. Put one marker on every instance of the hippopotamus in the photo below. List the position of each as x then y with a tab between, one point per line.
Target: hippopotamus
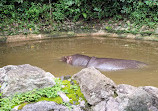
103	64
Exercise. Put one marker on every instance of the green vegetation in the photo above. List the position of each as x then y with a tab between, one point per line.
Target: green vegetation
36	16
148	33
49	94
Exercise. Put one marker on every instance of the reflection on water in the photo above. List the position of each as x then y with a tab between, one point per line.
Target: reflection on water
46	55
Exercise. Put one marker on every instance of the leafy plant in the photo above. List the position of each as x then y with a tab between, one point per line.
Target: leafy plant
36	12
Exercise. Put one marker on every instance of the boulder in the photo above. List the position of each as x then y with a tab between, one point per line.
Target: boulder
42	106
140	97
94	85
137	100
132	98
23	78
102	93
152	91
129	98
47	106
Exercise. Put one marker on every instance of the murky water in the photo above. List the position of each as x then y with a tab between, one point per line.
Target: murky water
46	54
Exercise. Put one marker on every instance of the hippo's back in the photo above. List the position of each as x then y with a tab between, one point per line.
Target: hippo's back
108	64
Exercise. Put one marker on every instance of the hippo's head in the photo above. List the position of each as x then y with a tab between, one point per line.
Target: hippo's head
67	59
76	60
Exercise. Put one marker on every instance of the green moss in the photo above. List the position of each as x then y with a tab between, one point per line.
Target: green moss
22	105
56	99
73	92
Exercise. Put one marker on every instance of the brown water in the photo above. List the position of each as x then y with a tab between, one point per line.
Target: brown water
46	54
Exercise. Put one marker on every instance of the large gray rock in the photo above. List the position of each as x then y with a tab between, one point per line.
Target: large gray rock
131	98
43	106
153	91
22	78
99	92
138	100
94	85
46	106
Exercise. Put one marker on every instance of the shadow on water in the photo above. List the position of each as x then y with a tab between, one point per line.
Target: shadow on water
46	54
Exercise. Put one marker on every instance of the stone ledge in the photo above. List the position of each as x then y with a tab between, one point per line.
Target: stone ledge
101	33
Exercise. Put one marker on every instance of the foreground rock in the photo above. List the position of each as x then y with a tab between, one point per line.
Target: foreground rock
94	85
23	78
46	106
132	99
102	93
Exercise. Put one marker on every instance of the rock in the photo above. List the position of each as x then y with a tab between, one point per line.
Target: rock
122	28
22	78
125	89
66	77
99	92
64	97
153	91
15	108
82	103
118	103
139	100
156	31
43	106
131	98
153	108
132	36
101	106
94	85
76	108
112	105
47	106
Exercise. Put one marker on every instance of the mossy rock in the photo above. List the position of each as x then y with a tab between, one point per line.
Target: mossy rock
71	89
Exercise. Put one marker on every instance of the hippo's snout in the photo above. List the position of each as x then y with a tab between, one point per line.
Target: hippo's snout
64	59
